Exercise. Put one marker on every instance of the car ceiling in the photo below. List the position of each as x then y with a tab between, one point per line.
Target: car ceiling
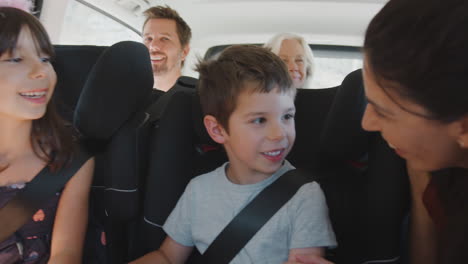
218	22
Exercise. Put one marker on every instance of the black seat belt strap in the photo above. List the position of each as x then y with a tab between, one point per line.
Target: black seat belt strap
43	187
254	216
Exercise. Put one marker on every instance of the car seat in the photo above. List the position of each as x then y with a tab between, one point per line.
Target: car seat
112	120
72	63
364	181
176	155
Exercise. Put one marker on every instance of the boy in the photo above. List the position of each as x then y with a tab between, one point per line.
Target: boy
248	101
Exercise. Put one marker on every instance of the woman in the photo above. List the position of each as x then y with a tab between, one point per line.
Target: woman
297	55
32	137
418	100
416	76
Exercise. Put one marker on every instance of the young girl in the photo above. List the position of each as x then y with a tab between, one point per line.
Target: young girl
32	137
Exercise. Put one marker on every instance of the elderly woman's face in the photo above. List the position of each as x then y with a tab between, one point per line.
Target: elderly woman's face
292	53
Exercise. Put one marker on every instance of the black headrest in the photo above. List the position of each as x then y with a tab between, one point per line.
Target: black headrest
72	64
312	106
118	86
343	137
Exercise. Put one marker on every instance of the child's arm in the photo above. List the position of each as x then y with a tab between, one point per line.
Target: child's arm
72	217
311	226
308	259
318	251
170	252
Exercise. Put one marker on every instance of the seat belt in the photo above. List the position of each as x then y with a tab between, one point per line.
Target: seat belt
19	210
254	216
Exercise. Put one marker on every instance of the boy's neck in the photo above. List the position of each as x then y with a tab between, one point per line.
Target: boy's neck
244	177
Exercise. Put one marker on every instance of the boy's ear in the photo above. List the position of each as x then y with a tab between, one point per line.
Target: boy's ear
214	129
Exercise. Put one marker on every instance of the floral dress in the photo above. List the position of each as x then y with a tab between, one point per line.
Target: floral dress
31	243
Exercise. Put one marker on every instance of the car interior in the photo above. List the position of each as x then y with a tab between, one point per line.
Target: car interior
148	146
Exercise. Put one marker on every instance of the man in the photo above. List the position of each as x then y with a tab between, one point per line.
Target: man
167	37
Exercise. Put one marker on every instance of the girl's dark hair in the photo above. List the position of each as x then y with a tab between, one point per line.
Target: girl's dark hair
50	138
421	45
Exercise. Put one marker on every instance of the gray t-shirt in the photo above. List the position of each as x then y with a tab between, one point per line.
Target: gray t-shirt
211	201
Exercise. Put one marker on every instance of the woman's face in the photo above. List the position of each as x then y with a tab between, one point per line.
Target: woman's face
27	80
292	53
426	144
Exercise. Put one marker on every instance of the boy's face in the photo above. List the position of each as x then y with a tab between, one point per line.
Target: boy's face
261	134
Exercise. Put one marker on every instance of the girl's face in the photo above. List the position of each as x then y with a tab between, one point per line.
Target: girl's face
27	80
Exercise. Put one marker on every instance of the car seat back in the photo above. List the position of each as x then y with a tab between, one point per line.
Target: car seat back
364	181
72	64
111	117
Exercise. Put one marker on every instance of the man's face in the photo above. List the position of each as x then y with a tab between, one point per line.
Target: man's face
161	38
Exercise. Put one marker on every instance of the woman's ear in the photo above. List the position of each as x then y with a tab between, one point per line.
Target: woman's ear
214	129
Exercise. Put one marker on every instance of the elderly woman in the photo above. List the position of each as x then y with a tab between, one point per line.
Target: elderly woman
297	55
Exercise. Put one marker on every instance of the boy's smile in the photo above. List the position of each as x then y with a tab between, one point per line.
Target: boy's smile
261	134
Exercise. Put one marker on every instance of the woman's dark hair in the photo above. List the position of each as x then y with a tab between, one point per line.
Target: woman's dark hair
421	46
50	138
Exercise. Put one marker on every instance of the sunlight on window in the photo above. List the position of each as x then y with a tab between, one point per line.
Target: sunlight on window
84	26
330	72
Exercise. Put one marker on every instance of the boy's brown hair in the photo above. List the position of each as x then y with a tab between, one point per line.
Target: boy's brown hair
238	68
183	30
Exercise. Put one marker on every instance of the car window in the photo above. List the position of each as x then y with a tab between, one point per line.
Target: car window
332	63
85	26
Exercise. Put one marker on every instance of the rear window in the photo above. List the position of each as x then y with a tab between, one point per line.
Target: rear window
332	63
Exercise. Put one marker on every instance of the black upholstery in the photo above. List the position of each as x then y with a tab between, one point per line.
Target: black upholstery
72	65
364	181
174	158
111	118
118	86
311	111
343	137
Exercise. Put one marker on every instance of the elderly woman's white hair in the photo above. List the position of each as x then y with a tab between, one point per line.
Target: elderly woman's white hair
274	44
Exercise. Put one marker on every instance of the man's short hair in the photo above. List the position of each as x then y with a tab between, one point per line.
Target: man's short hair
238	68
183	30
